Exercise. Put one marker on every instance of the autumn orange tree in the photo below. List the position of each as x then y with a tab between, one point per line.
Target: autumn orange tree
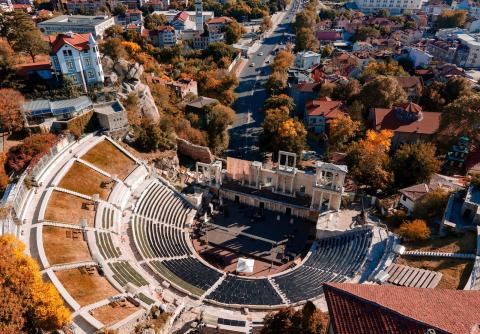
415	230
32	149
26	302
368	160
11	102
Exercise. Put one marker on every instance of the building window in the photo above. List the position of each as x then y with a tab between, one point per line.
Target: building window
67	53
90	74
87	61
74	78
69	65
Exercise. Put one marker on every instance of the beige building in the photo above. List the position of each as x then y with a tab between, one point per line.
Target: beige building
283	188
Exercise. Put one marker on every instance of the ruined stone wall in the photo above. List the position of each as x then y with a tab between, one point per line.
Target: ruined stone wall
196	152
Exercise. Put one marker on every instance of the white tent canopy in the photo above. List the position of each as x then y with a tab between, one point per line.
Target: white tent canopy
245	265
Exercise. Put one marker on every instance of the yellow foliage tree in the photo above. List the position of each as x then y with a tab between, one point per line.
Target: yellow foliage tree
368	159
26	302
341	130
415	230
132	47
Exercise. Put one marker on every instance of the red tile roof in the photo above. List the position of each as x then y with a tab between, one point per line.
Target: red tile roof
328	35
381	309
77	41
182	16
386	119
219	20
324	107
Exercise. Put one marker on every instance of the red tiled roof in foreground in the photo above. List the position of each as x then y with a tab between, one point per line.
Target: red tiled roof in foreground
382	309
78	41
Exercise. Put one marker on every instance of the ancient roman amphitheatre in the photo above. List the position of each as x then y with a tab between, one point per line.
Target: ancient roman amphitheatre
115	238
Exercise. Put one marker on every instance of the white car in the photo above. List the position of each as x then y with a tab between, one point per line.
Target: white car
260	53
252	65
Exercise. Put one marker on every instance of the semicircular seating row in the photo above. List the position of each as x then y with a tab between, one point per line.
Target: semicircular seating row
333	259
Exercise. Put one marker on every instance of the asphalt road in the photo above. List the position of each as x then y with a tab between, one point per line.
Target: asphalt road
251	93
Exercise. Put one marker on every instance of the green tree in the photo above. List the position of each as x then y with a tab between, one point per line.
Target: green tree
306	40
151	136
363	33
278	101
266	23
308	320
432	205
414	163
233	32
432	98
219	118
153	21
276	83
115	31
450	19
462	117
457	87
346	91
120	10
23	36
114	48
382	92
327	14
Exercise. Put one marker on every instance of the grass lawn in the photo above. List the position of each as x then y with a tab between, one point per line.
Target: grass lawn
69	209
455	272
64	245
106	156
84	287
84	180
112	313
451	243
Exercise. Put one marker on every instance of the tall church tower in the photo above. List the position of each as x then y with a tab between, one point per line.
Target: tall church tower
199	15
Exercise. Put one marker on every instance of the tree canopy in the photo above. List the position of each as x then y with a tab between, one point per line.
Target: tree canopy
233	32
11	102
219	118
382	92
27	303
308	320
368	160
450	19
341	130
462	117
414	163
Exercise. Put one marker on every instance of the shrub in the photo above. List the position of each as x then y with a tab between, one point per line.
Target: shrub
415	230
432	205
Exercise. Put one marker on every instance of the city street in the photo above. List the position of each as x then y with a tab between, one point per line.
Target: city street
251	92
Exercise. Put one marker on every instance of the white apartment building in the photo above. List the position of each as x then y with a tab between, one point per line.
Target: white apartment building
76	56
468	54
80	24
306	59
394	6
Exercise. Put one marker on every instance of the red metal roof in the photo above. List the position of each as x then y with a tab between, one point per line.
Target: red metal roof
381	309
77	41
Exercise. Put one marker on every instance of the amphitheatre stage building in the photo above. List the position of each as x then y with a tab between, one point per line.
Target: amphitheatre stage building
116	238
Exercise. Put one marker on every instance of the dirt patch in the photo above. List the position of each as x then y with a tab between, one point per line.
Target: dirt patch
69	209
106	156
63	245
455	272
84	180
86	287
114	312
452	243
